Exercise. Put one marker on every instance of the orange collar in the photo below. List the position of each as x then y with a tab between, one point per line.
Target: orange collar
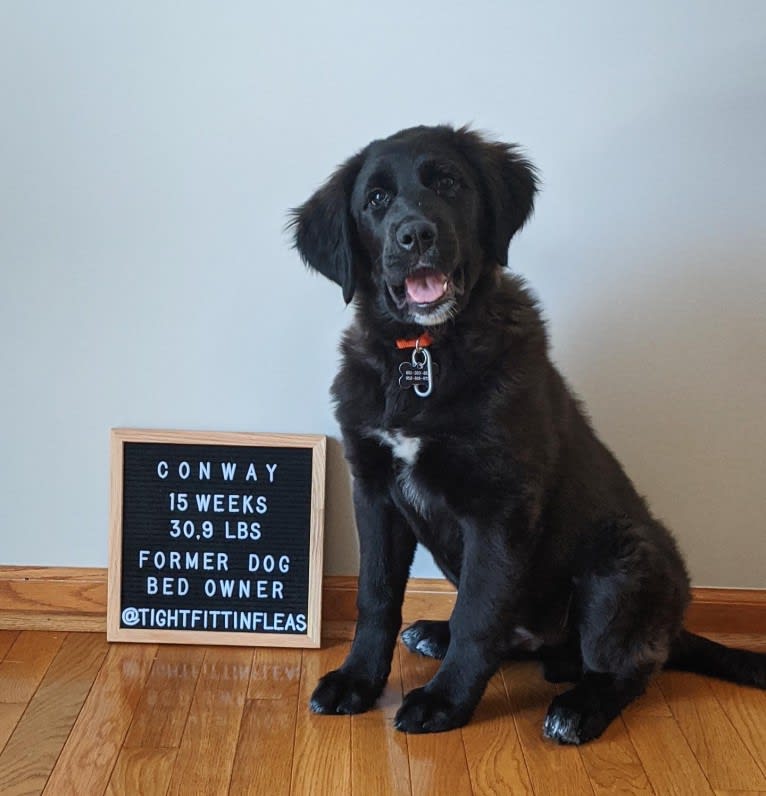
423	341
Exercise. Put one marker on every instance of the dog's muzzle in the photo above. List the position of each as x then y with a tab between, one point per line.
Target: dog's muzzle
427	294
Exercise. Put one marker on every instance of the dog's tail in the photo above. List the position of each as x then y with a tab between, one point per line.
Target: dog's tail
693	653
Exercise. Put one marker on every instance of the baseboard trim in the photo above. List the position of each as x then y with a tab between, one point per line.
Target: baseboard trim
74	599
727	611
53	598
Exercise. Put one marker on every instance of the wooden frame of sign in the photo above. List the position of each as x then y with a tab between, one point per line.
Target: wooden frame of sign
216	538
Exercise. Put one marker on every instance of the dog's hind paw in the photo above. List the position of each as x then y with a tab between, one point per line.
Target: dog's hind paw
426	637
567	724
341	692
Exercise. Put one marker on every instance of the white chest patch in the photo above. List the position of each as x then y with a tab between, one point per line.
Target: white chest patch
404	448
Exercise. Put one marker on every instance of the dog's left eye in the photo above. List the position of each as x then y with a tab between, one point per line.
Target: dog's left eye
377	197
445	184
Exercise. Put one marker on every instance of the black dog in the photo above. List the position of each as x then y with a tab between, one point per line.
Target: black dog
488	460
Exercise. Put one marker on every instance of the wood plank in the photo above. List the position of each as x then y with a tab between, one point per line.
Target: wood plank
209	741
263	760
746	710
7	637
142	771
25	663
668	761
613	764
740	793
650	703
275	674
322	753
552	768
492	745
10	713
32	751
162	711
438	762
379	760
720	751
21	670
90	752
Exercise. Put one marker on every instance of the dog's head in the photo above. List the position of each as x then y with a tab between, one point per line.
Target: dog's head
412	221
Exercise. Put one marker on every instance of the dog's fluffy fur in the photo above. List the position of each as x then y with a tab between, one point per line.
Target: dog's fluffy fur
498	472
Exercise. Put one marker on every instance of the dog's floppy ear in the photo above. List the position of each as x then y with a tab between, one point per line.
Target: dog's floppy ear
323	229
509	183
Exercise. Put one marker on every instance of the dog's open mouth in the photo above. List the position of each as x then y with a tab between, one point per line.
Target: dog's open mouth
424	288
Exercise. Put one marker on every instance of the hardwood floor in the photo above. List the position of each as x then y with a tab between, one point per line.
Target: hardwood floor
79	716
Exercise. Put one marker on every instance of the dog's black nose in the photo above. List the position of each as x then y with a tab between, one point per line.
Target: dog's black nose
416	235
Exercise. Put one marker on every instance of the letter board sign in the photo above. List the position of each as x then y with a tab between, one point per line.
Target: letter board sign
216	538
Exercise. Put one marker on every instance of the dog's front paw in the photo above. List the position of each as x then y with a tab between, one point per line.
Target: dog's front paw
341	692
425	711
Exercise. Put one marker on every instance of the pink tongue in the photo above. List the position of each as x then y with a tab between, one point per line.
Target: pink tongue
425	288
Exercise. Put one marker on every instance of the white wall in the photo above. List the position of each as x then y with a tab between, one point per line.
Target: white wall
149	151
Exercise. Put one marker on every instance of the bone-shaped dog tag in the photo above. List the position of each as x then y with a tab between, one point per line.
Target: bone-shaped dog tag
418	373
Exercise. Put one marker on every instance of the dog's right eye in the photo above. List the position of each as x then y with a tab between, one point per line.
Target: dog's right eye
377	197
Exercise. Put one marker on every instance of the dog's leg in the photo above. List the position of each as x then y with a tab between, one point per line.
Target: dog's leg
562	664
477	626
387	546
427	637
585	711
630	605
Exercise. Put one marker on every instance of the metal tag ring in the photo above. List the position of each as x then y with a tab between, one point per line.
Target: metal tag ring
423	391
